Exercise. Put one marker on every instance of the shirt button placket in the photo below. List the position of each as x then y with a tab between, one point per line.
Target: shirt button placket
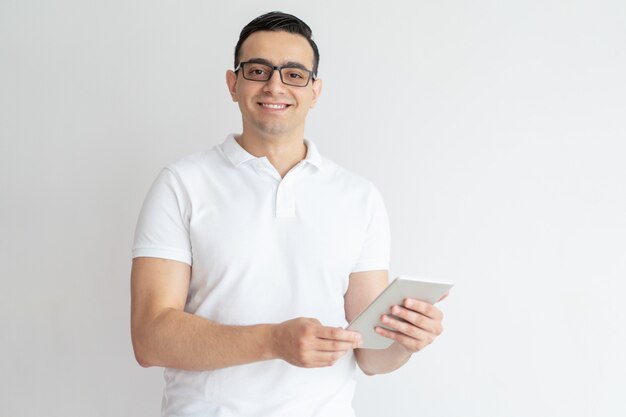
285	197
285	204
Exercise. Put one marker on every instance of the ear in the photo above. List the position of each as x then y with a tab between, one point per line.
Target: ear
317	90
231	83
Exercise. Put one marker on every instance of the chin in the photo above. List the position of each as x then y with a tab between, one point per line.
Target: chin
272	129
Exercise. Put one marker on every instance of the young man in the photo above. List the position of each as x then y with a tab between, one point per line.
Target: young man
250	259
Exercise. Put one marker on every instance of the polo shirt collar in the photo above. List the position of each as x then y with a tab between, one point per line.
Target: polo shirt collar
313	156
238	155
235	153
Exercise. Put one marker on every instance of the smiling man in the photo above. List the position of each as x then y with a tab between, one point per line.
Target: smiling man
250	259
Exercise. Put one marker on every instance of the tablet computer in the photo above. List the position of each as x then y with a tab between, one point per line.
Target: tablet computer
401	288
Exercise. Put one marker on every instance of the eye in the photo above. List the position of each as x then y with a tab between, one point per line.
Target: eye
295	73
256	71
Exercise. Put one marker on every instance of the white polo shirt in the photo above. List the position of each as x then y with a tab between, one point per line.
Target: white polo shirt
263	250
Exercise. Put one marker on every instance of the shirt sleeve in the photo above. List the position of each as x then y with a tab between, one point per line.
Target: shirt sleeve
163	225
376	244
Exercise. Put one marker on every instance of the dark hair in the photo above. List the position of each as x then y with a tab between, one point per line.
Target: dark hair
278	22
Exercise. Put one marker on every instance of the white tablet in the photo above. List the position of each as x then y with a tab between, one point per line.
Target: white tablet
401	288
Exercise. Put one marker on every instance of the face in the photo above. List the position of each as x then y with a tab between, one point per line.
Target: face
271	108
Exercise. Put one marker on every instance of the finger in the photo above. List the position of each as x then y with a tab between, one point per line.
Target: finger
424	308
417	319
444	296
401	326
409	343
337	333
321	359
328	345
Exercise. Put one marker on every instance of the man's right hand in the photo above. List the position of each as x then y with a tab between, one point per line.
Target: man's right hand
306	343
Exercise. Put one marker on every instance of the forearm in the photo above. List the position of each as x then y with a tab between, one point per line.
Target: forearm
381	361
176	339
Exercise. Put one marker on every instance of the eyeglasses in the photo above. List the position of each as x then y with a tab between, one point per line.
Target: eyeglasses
291	74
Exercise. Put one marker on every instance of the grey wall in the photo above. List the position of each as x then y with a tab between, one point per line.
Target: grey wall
494	129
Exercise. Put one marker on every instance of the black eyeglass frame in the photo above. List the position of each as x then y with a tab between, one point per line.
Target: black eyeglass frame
279	69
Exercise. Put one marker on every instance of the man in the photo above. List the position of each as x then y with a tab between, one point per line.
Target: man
250	259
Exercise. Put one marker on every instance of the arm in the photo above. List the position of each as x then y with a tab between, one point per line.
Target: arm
163	334
424	324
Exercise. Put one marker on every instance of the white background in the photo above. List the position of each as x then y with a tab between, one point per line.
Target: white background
494	130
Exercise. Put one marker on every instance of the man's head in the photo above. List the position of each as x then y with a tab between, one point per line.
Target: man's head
278	22
273	81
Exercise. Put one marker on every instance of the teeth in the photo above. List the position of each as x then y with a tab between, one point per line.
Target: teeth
274	106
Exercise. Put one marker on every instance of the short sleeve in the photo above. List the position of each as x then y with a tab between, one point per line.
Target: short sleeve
376	244
163	225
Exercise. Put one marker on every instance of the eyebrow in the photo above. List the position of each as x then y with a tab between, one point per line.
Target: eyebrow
288	64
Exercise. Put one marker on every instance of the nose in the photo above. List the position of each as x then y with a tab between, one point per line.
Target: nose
274	84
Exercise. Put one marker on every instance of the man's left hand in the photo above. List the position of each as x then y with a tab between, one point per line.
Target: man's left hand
421	326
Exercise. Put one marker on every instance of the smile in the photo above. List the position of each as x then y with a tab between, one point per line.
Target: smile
274	106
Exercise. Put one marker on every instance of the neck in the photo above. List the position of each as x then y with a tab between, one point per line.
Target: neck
283	152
